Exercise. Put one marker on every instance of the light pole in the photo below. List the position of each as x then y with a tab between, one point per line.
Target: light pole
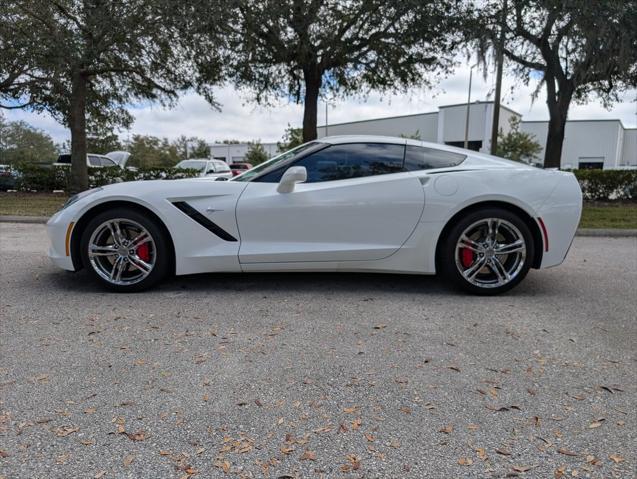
466	125
326	118
498	83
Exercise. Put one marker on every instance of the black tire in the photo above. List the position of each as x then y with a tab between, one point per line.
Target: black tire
162	252
449	264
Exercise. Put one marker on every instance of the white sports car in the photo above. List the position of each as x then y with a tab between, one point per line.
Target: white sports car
348	203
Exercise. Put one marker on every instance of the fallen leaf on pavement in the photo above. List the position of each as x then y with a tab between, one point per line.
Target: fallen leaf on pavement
128	460
616	458
308	456
521	468
447	429
559	472
286	450
354	461
465	461
137	436
65	431
503	452
566	452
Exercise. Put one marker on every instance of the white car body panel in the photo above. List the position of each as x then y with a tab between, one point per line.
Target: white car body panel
384	223
329	221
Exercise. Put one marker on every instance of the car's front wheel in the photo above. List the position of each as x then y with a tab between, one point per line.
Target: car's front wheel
488	251
125	250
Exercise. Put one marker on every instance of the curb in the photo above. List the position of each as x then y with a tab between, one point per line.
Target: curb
24	219
612	233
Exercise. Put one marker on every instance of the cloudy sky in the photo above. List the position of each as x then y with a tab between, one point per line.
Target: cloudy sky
241	119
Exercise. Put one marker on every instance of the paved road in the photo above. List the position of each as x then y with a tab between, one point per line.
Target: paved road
318	375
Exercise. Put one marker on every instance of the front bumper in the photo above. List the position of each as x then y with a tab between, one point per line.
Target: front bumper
58	228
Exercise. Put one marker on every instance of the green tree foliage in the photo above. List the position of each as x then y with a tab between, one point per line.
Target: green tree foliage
298	49
152	152
192	147
580	48
292	138
256	154
83	61
21	143
517	145
412	136
103	144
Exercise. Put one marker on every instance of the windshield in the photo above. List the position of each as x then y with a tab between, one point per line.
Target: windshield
273	162
192	164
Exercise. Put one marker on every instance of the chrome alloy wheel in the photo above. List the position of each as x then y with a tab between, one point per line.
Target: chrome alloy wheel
122	251
490	253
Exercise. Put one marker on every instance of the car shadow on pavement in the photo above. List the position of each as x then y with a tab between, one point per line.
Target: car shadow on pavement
292	282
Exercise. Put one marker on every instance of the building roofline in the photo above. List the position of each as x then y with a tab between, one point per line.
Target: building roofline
481	102
590	120
478	102
378	119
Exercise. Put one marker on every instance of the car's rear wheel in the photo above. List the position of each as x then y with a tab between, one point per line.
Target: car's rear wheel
488	251
125	250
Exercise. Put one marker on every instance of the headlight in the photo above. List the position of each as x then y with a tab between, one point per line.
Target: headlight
78	197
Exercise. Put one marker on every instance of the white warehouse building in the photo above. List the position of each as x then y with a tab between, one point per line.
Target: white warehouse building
600	144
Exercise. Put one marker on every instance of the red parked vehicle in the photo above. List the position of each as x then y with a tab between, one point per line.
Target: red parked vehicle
238	168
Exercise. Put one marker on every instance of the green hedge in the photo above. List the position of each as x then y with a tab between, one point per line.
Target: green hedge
607	185
40	178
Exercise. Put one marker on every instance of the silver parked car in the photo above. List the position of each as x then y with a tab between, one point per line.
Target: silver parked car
207	168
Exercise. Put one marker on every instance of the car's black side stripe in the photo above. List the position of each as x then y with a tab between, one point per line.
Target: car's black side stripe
203	221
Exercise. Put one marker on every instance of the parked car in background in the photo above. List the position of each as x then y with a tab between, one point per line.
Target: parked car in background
238	168
8	178
207	168
109	160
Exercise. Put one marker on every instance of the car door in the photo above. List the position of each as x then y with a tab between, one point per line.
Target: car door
357	204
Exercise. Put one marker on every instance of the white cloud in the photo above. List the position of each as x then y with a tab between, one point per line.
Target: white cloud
241	119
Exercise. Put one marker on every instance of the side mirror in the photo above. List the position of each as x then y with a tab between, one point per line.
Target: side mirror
292	176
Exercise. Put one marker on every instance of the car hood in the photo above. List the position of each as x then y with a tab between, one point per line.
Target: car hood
157	191
119	157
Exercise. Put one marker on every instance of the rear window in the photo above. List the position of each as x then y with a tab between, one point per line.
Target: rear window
192	164
421	158
221	166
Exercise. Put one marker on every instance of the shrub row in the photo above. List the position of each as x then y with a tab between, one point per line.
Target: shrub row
39	178
607	185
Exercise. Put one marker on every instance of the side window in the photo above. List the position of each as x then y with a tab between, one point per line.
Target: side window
108	162
421	158
94	160
340	162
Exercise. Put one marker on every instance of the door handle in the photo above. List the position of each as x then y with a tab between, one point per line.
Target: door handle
210	209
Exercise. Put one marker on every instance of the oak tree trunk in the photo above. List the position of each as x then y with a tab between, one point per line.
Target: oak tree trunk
313	77
558	104
77	124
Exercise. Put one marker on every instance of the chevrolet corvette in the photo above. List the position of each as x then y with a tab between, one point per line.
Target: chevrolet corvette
345	203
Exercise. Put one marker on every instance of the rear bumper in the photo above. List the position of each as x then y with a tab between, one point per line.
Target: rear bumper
57	228
561	215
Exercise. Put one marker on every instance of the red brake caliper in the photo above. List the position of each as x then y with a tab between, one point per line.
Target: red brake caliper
143	252
466	256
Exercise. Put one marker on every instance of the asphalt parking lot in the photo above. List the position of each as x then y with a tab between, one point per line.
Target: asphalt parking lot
318	375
